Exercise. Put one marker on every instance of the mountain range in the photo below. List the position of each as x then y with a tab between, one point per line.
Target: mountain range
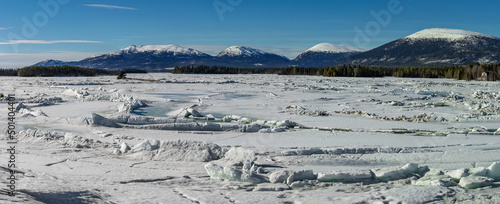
429	47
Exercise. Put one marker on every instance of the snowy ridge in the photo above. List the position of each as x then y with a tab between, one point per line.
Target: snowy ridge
331	48
445	33
161	48
241	51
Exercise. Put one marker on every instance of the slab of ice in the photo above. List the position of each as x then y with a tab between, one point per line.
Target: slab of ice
239	155
435	180
124	148
458	173
345	175
478	171
279	176
300	176
189	151
394	173
387	174
271	187
494	171
143	146
471	182
232	174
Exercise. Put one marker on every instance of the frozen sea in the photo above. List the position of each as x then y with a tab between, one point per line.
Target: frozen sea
252	139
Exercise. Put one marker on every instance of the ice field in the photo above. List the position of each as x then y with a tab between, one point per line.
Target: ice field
253	139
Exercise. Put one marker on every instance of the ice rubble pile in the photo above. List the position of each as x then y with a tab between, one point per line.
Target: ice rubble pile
189	151
423	117
130	103
65	139
181	150
239	164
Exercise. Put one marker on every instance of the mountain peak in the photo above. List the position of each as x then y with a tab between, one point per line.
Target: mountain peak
331	48
161	48
445	33
240	51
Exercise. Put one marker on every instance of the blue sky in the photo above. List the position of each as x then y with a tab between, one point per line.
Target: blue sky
75	29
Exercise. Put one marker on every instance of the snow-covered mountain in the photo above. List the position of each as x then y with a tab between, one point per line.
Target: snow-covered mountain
243	56
325	54
240	51
429	47
51	62
158	49
159	57
435	46
148	57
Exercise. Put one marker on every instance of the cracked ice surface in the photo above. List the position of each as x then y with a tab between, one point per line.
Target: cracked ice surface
254	139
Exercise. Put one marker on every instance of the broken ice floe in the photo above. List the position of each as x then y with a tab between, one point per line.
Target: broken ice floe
421	175
423	117
65	139
238	166
181	124
180	150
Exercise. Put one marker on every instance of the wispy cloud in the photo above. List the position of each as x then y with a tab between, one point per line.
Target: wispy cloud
16	60
109	6
12	42
5	28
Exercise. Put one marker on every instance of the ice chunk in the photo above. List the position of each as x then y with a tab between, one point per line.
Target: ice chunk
19	106
393	173
187	151
143	146
124	148
478	171
435	180
494	171
98	120
249	128
458	173
186	112
471	182
232	174
410	168
131	105
300	175
239	155
271	187
279	176
345	175
386	174
155	144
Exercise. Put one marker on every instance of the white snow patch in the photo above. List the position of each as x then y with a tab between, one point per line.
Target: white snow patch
445	33
331	48
241	51
161	48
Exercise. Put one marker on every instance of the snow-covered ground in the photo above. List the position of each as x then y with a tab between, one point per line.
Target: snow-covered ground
253	139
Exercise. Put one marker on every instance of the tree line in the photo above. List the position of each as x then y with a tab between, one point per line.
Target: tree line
459	72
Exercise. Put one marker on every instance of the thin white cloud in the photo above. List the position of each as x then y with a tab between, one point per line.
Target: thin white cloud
12	42
109	6
18	60
5	28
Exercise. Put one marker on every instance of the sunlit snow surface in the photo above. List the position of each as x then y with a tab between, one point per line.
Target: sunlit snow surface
331	48
320	140
445	33
240	51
